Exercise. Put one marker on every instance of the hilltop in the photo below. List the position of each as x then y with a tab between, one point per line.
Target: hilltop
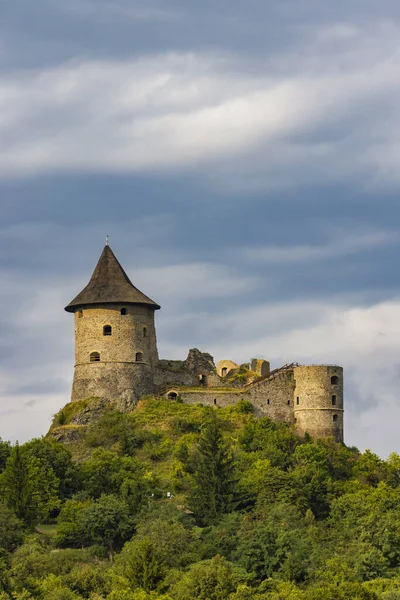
179	502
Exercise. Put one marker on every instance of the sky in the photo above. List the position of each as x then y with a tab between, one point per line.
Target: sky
243	157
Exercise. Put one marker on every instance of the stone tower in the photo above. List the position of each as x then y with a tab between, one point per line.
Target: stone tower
115	337
318	401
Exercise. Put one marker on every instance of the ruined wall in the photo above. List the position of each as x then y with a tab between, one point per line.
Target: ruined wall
118	371
168	374
197	370
273	397
260	366
224	367
215	397
318	403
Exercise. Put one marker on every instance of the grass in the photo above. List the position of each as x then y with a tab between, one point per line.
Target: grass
47	529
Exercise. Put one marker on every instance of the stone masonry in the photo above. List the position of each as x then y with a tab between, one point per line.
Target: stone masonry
116	359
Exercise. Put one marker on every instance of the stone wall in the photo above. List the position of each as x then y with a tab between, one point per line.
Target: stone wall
224	367
214	397
318	403
124	383
260	366
131	333
273	396
127	356
198	368
166	376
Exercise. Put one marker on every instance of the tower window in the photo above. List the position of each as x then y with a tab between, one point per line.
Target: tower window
333	400
144	331
334	380
334	418
107	330
94	357
297	400
288	402
124	311
224	371
215	401
80	314
139	356
268	401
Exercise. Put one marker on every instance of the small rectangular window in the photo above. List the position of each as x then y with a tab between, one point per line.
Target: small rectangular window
297	400
333	400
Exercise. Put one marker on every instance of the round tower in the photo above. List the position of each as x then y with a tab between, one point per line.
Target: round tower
318	401
115	336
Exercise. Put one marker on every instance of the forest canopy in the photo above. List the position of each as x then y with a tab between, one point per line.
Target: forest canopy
178	502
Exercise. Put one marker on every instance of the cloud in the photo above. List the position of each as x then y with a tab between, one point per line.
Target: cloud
270	124
340	244
106	9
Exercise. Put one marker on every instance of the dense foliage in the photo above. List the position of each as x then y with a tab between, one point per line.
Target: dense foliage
177	502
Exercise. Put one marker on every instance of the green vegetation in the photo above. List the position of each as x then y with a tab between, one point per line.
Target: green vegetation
178	502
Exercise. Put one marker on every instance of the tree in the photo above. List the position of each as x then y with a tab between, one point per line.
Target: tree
142	565
5	451
107	522
213	477
213	579
28	487
57	457
10	529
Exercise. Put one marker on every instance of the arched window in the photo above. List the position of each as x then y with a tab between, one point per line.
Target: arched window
107	330
333	400
224	371
94	357
139	356
124	311
144	331
334	380
335	418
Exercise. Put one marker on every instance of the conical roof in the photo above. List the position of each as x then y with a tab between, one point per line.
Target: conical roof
109	284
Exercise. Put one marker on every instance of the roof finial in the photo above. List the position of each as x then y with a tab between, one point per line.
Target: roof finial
106	240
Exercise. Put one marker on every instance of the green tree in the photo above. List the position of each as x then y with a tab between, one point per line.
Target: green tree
108	522
213	579
10	529
213	478
5	451
28	487
57	457
71	530
141	564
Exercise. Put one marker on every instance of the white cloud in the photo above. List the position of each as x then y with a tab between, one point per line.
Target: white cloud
272	124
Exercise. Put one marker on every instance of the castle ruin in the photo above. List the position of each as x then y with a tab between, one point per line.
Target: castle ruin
116	359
